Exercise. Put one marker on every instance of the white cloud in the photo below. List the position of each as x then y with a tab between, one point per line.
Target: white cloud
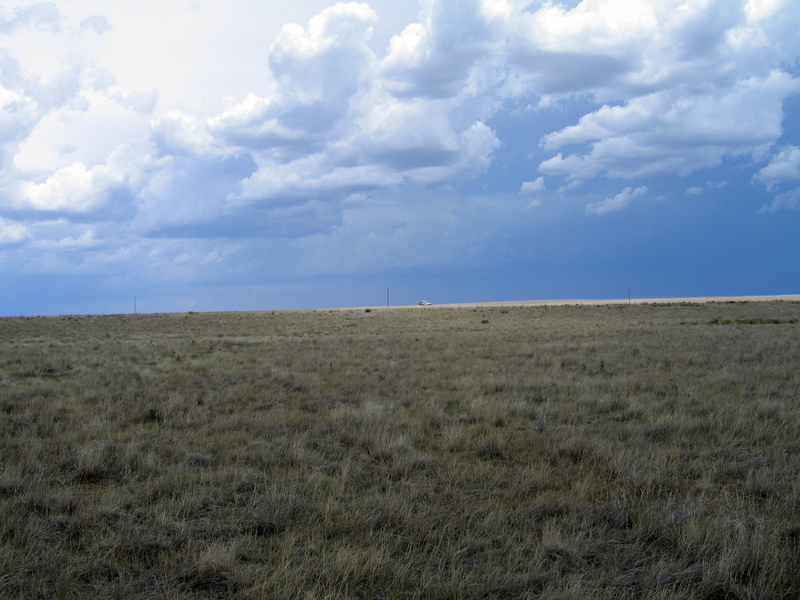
79	190
323	118
65	136
26	98
618	202
187	194
73	189
97	23
787	200
12	232
710	185
686	84
533	204
139	101
330	128
448	51
671	132
555	51
531	187
785	166
41	15
84	241
179	134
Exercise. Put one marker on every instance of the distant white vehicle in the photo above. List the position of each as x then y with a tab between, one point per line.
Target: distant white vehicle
424	303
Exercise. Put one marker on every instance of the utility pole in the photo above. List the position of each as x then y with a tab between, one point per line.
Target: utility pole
387	295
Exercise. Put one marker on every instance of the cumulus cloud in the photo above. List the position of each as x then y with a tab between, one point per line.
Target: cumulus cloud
710	185
12	233
139	101
555	51
531	187
618	202
42	15
74	189
451	48
97	23
785	166
186	194
25	100
786	201
782	168
685	84
177	133
331	127
673	88
78	192
84	241
672	132
317	74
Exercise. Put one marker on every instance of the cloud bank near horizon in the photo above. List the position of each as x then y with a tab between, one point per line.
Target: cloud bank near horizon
338	147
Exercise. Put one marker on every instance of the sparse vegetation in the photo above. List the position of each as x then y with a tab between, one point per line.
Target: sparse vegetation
564	452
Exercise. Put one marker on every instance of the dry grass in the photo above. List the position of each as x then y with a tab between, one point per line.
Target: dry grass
522	452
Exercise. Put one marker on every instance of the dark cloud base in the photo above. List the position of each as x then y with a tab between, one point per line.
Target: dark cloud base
714	249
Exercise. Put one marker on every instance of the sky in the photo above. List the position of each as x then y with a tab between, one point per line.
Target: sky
248	155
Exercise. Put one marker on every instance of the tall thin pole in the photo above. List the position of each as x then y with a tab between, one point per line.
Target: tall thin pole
629	294
387	295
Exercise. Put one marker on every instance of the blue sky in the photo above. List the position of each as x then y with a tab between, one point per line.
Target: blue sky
210	155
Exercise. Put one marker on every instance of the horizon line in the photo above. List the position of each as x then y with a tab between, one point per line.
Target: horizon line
551	302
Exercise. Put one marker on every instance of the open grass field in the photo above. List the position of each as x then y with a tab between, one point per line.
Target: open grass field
644	451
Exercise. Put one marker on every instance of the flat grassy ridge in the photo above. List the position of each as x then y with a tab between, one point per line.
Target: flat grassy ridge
644	451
